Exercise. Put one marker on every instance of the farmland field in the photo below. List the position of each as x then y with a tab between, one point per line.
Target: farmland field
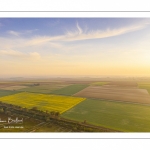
145	86
133	95
16	87
116	115
70	90
118	105
99	83
122	84
7	92
45	89
42	101
3	85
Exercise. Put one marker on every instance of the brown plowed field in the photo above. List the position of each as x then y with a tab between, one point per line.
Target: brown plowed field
123	84
119	93
17	87
5	85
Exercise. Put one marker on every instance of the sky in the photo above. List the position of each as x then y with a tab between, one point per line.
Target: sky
74	47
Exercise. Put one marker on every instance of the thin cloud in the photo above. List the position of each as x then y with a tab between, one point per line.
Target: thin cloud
14	33
29	31
79	34
49	42
38	40
79	29
21	55
11	53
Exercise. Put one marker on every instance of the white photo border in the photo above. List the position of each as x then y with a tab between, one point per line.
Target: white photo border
74	14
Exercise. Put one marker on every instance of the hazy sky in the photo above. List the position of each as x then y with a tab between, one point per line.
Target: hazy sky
74	46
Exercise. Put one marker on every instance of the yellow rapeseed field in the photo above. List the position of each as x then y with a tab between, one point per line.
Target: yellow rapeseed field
42	101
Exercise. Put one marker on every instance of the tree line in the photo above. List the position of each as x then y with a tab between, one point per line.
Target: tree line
52	116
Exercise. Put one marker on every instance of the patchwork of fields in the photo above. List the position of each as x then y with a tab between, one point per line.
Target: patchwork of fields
7	92
42	101
116	115
145	86
70	90
46	89
119	105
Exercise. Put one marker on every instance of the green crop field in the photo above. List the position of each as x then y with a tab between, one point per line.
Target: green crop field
115	115
42	101
45	89
70	90
144	86
99	83
7	92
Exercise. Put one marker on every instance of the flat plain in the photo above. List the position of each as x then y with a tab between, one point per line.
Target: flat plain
70	90
12	88
7	92
99	83
44	88
120	116
43	102
144	85
4	85
121	91
121	105
123	84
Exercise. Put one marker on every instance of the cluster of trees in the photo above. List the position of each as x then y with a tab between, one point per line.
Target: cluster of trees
46	115
52	113
10	109
55	113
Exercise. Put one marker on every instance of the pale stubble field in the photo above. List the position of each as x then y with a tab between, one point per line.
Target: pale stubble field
121	91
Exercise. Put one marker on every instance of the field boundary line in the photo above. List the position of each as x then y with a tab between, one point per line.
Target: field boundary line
81	90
